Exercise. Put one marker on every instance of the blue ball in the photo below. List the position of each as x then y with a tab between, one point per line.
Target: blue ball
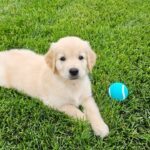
118	91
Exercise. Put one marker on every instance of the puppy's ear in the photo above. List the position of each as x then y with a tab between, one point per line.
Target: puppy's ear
91	58
50	58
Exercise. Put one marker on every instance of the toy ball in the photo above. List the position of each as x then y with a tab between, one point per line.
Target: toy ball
118	91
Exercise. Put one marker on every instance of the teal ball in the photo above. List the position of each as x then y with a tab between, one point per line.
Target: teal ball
118	91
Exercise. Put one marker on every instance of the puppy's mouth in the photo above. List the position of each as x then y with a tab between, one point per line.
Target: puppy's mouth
74	77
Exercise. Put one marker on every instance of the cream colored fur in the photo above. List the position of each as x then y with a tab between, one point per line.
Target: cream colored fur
46	77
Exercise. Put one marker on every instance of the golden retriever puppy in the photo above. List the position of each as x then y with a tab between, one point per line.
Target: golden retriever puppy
59	78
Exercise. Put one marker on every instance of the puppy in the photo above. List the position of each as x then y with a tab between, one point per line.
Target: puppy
59	78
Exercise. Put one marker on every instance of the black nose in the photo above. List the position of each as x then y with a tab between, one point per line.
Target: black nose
74	71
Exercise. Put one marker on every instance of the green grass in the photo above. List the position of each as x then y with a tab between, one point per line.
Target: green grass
119	32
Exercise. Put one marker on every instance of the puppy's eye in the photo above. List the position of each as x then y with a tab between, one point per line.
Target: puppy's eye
81	57
62	58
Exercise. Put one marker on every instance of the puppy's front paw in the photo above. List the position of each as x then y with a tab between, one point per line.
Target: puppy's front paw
81	116
101	130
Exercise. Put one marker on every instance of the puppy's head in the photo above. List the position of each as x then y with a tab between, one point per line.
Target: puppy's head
71	58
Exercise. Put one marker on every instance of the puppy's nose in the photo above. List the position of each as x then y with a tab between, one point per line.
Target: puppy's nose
73	71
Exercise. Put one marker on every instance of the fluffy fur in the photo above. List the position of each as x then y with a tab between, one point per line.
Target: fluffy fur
47	77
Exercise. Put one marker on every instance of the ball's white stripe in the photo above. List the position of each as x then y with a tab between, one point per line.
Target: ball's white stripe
123	91
109	92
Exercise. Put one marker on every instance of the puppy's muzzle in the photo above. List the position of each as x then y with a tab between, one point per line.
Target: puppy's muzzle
74	72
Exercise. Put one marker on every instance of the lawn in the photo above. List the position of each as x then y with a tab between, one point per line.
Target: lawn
119	32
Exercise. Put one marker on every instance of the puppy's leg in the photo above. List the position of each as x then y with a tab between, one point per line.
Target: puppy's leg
72	111
94	117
